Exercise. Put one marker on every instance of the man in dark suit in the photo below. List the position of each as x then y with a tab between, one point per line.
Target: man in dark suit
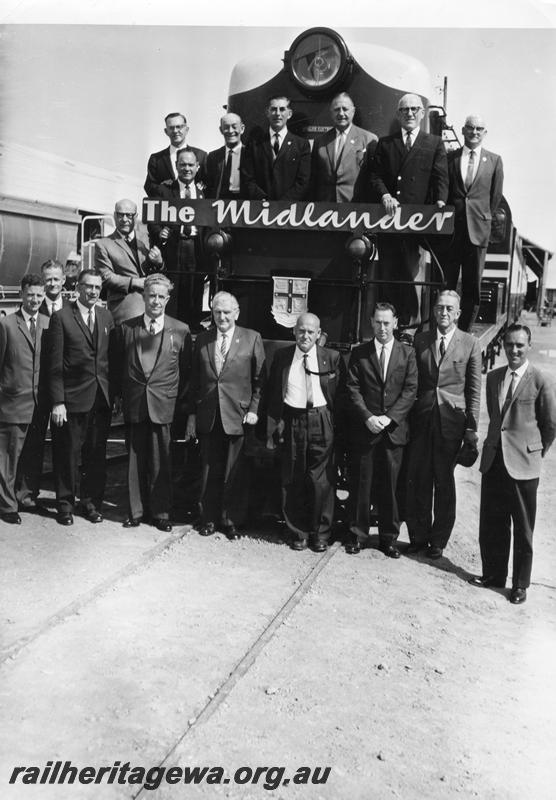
277	163
225	388
153	363
381	389
407	167
476	182
338	154
77	377
522	410
445	414
123	260
161	165
223	167
53	275
183	245
306	382
22	406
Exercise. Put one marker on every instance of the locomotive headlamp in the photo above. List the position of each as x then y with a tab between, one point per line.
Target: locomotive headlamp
358	247
318	59
217	242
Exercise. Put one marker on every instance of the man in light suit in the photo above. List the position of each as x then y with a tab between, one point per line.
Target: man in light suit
223	167
153	363
277	164
123	260
225	389
407	167
476	181
445	414
338	154
77	376
183	245
22	407
381	389
53	275
306	382
161	165
522	409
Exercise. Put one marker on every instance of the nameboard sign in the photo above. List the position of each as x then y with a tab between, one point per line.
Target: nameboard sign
279	215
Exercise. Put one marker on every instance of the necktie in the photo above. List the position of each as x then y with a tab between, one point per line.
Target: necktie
340	142
470	170
509	395
90	320
52	309
382	362
442	348
227	173
186	229
276	145
408	142
223	346
152	328
308	382
33	329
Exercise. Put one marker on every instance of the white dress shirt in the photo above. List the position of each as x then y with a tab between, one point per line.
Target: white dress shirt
465	161
413	135
158	323
296	392
508	379
281	136
218	357
54	305
84	311
234	173
387	353
447	339
28	317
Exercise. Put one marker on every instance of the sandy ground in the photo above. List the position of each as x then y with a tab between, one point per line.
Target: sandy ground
397	675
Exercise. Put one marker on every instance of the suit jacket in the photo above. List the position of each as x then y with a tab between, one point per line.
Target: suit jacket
20	367
454	386
369	394
236	390
528	427
153	397
216	161
116	262
332	382
285	177
77	359
420	176
43	308
334	182
160	168
476	205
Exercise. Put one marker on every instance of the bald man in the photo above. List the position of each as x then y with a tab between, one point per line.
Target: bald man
408	167
123	259
476	181
223	177
305	385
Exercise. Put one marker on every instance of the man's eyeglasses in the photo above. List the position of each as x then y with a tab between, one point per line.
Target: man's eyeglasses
474	128
410	109
123	215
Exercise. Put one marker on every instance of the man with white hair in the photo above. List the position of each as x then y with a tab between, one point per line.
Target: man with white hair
223	176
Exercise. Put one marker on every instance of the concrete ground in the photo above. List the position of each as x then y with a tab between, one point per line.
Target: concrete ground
174	650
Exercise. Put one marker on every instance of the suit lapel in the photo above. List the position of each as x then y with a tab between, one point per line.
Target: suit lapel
232	349
373	358
168	162
393	361
80	324
22	325
210	346
331	149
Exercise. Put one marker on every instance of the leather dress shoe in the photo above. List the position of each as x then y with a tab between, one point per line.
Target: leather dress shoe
352	548
299	544
163	525
207	530
518	596
434	552
320	547
132	522
390	550
64	518
231	532
487	582
416	547
11	517
92	515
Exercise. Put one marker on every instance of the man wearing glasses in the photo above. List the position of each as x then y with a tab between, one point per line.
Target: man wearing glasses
161	166
408	167
476	179
123	260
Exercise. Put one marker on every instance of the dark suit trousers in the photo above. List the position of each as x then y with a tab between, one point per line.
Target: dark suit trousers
471	258
430	484
81	441
381	462
29	468
186	300
224	487
399	259
503	500
308	472
12	439
149	474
